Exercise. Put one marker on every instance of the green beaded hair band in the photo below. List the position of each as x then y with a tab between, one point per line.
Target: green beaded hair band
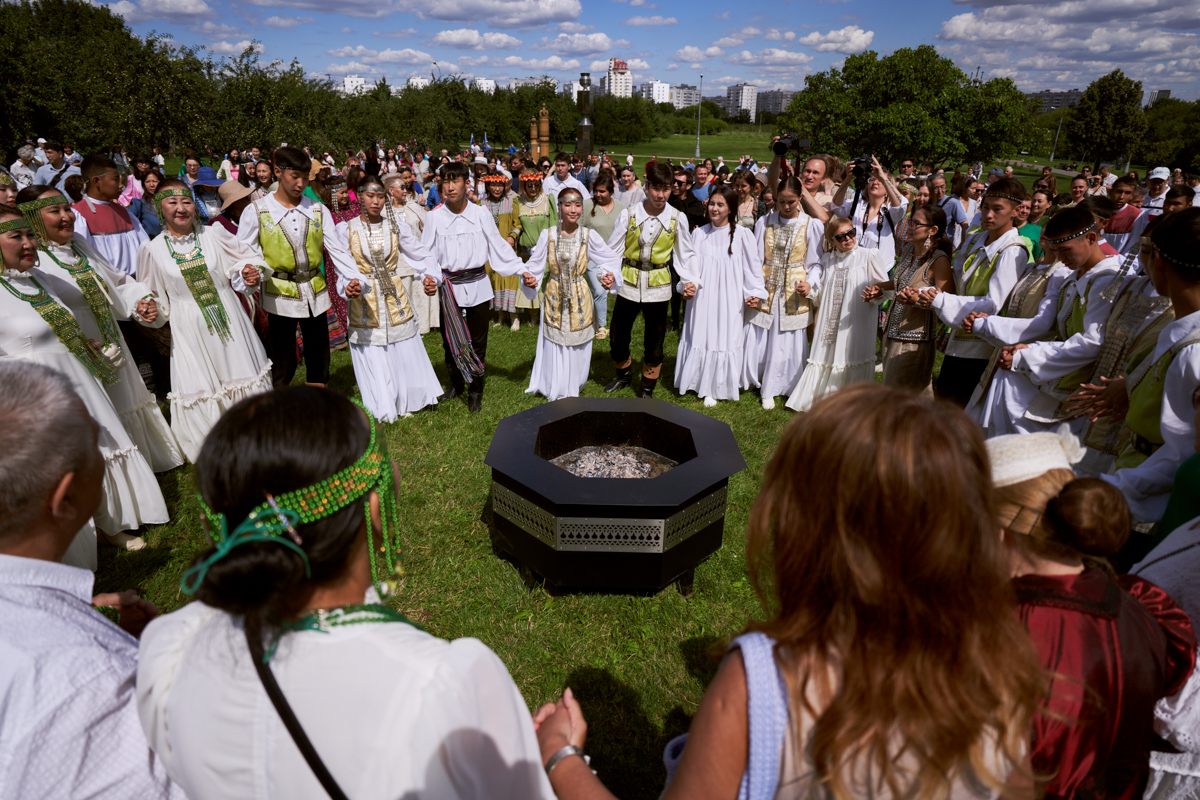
172	191
32	210
13	225
277	518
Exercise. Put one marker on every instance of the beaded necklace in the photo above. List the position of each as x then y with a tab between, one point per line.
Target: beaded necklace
66	329
325	620
376	257
200	284
88	281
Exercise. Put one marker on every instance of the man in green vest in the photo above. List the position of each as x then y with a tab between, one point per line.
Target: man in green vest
656	238
986	269
289	229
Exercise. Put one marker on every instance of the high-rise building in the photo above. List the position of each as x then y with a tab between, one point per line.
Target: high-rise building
518	82
656	91
683	96
417	82
775	101
352	84
485	85
741	97
618	81
571	89
1048	101
1159	94
717	100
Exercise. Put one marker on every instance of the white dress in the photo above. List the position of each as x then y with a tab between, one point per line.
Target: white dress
208	374
773	358
709	357
131	494
844	339
427	307
564	357
135	405
392	711
390	362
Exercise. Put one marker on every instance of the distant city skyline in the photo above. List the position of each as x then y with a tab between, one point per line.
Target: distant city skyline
1056	45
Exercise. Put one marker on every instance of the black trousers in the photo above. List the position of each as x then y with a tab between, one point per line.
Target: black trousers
282	333
654	316
677	299
958	379
477	318
143	351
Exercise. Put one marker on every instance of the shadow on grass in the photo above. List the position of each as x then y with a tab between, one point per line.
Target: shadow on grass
625	746
701	657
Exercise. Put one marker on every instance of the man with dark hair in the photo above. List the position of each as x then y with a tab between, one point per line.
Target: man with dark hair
683	199
956	215
655	238
463	238
562	178
56	169
104	223
817	203
986	268
287	230
1178	198
1124	229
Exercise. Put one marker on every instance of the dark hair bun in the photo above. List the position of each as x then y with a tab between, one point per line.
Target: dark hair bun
1091	516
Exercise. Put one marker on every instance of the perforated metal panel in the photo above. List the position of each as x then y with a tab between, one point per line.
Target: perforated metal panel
695	518
610	535
529	517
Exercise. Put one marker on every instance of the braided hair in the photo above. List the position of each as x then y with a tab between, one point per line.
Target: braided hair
730	197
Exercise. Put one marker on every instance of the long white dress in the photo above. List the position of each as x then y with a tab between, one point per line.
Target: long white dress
208	374
709	358
131	494
135	405
427	307
844	339
390	362
564	357
774	358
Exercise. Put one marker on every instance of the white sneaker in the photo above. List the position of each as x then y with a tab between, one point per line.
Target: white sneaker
709	402
768	403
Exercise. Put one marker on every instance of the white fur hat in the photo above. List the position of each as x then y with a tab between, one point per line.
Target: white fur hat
1024	456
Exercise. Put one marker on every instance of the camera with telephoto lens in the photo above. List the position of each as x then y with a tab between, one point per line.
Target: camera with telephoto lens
790	143
861	166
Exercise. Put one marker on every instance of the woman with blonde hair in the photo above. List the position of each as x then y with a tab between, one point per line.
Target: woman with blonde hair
1111	648
891	663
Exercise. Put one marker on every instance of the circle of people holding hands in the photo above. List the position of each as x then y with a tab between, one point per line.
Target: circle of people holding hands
1024	629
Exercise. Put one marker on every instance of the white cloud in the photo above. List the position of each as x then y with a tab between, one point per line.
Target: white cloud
729	41
642	4
695	66
576	44
671	67
551	64
849	40
749	33
771	57
646	21
346	69
405	56
286	22
345	30
637	64
174	10
776	35
407	33
498	13
352	52
693	53
214	30
228	49
598	65
471	39
575	27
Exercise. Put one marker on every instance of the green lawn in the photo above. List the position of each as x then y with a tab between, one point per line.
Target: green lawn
638	664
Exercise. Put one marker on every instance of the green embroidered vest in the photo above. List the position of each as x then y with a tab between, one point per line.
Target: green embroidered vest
1146	383
660	255
282	255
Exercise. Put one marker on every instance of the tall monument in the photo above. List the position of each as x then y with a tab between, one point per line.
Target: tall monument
583	101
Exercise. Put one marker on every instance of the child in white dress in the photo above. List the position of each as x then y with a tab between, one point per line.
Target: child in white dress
843	347
729	273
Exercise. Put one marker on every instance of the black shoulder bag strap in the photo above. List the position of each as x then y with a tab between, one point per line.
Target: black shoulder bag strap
290	722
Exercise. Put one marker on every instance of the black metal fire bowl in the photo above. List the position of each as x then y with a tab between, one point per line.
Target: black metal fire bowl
614	533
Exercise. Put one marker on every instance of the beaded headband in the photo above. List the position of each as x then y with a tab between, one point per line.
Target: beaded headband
494	179
32	211
6	179
531	176
277	518
1017	200
174	191
1176	260
1069	237
14	224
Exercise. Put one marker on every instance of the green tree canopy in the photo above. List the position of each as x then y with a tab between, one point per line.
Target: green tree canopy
1172	135
913	103
1107	123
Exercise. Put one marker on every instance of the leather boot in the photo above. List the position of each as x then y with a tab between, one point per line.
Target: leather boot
474	402
647	388
457	386
623	379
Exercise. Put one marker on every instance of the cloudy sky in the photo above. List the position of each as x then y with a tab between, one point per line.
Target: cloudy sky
1042	44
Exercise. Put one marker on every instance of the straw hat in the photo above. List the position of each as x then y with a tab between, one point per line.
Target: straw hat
232	191
1024	456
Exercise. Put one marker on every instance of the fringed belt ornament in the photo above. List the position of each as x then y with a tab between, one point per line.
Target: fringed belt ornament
200	284
457	334
67	330
90	285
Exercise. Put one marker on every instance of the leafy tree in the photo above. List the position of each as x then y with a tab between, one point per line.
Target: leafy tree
1107	122
1172	135
913	103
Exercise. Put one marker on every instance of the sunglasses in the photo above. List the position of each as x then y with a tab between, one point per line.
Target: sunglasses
906	166
681	183
844	237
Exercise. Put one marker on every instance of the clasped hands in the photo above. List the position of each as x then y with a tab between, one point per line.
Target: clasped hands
147	309
134	612
250	276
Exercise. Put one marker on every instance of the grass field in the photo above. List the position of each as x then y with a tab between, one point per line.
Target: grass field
638	663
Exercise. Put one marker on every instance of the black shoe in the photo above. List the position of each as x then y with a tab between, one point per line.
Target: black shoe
475	402
647	388
623	379
449	394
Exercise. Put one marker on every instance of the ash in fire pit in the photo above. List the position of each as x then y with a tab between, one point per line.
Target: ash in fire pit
614	461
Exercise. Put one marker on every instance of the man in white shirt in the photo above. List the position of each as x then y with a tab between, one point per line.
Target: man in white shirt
562	178
23	170
57	170
1156	190
69	725
39	154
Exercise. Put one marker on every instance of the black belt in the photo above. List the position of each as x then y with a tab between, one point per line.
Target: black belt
465	275
644	266
1144	445
299	276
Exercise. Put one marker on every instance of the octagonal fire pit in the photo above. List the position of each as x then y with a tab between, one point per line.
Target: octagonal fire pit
611	493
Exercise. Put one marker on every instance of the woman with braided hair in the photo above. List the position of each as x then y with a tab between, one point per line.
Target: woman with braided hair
376	257
709	360
216	357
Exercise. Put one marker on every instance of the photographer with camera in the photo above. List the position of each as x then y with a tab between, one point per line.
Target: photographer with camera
812	175
875	224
